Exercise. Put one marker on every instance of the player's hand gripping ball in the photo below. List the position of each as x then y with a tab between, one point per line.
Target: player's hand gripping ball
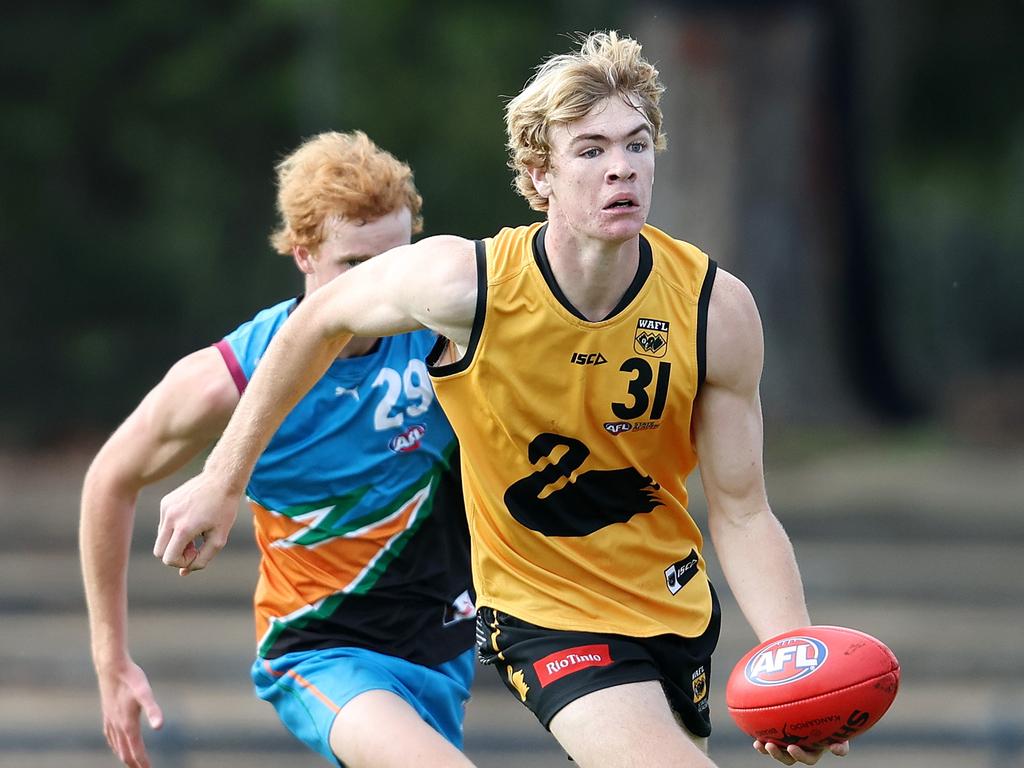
812	687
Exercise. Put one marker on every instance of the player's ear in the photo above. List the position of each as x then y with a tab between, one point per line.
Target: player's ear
303	259
539	177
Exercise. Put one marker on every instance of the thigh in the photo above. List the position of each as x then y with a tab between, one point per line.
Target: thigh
323	698
626	726
378	729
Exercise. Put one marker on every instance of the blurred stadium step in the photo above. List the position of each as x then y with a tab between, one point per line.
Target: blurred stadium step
933	575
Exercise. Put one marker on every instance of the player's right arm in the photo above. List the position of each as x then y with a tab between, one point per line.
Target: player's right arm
431	284
180	417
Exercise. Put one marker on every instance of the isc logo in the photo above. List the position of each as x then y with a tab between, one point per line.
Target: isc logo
793	658
585	358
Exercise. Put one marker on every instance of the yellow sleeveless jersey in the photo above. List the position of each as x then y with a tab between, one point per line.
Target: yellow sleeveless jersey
576	441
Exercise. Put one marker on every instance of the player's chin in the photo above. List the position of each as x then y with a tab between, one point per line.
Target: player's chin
622	226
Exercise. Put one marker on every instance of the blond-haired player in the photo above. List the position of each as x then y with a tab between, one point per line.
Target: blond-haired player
588	363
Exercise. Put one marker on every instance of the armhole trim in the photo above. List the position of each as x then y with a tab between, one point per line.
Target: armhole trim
702	321
479	312
234	367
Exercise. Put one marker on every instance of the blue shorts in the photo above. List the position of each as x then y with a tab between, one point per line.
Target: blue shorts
309	688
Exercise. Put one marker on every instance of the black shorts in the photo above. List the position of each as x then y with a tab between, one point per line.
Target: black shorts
548	668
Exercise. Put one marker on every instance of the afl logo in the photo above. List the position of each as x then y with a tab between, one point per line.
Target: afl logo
617	427
786	661
409	440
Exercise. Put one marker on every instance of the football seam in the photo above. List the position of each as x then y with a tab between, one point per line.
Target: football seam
809	698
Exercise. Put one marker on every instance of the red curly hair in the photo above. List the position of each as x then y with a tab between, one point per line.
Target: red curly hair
339	174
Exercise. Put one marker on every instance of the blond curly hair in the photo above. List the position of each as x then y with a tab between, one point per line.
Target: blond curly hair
339	174
566	87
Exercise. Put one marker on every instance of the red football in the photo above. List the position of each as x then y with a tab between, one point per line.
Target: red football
812	687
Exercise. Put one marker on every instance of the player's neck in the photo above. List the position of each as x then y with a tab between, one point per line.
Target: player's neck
592	273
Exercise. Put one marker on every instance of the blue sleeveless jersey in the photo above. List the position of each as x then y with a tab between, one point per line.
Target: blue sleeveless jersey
358	507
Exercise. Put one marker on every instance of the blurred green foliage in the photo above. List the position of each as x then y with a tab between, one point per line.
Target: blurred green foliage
948	186
138	140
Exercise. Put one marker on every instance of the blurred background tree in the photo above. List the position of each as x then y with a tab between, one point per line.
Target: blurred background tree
877	148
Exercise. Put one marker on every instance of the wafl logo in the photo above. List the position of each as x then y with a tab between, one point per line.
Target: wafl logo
408	440
651	337
793	658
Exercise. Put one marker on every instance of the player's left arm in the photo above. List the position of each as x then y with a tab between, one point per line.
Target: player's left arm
755	553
